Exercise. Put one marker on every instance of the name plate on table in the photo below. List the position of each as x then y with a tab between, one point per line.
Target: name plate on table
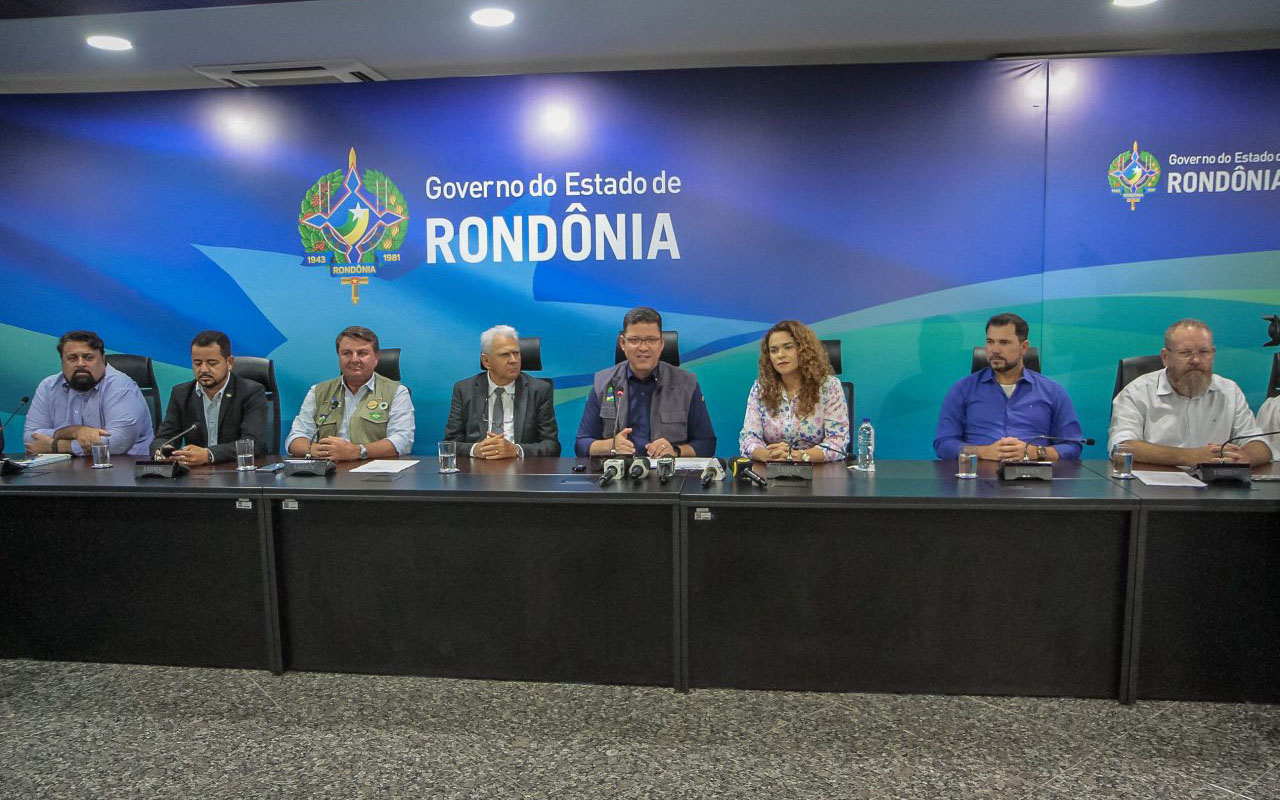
788	471
308	466
158	469
1223	472
1025	470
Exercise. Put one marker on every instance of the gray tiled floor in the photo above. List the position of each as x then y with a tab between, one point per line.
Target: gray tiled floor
104	731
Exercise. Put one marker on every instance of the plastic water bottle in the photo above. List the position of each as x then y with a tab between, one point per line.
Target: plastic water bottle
866	447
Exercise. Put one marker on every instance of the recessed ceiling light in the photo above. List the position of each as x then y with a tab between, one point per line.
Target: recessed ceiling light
109	43
492	17
1131	3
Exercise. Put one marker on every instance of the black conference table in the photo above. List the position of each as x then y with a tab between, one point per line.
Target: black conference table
1208	592
910	579
906	580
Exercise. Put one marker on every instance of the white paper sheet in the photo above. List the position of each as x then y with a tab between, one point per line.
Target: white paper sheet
385	465
1153	478
684	464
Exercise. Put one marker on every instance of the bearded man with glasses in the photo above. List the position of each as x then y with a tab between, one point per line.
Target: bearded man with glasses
644	406
1184	414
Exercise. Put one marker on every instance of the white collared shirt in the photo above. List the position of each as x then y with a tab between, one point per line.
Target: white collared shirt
508	413
1149	410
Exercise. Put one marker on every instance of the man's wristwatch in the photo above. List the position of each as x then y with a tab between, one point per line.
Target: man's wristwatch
364	452
1040	451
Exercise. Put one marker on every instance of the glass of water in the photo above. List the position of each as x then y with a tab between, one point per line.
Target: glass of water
244	454
967	462
1122	462
101	452
448	456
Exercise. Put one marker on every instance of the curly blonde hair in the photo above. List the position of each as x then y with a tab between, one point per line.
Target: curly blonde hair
812	366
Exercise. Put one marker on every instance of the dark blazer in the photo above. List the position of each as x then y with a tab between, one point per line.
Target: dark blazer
534	414
243	415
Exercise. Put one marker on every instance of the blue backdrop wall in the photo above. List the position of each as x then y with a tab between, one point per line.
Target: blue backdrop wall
894	207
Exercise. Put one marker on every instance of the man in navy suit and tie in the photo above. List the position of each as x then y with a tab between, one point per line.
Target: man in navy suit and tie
502	412
222	406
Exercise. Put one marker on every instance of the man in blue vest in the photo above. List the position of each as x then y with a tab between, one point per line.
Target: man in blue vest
357	415
644	406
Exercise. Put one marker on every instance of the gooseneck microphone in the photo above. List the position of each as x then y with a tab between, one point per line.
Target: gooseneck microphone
21	404
1084	441
320	421
1243	436
1088	441
713	471
161	451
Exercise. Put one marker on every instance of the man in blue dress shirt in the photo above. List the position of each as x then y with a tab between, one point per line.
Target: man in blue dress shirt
87	400
644	406
1007	411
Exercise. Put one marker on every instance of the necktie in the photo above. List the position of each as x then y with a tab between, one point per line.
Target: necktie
498	423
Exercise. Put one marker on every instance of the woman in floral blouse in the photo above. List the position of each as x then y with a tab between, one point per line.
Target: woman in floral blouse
796	409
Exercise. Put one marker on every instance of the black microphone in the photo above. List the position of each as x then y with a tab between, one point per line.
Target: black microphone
639	469
14	413
21	403
333	404
1248	436
713	471
609	398
160	451
666	468
1066	440
843	455
743	472
614	467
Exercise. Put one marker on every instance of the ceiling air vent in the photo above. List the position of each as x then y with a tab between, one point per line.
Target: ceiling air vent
291	73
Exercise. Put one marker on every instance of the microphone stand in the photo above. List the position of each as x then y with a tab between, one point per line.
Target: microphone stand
162	468
1222	471
307	465
21	404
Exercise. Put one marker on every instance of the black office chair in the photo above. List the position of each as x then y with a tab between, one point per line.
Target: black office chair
1132	367
1031	360
670	349
1273	386
140	370
389	363
263	371
530	357
832	346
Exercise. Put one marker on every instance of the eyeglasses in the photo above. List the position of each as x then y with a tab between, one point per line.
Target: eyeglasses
1185	355
636	341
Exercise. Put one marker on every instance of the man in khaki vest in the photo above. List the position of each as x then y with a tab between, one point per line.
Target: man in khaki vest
358	415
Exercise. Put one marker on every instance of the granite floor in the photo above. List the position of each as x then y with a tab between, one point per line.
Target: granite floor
71	730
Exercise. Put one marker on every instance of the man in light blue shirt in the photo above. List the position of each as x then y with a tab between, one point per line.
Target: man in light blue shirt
88	400
1006	410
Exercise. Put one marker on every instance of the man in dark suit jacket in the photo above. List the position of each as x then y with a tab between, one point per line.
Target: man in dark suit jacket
502	412
222	406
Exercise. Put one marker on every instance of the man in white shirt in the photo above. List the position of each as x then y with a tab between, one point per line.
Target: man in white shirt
359	414
1269	420
1184	414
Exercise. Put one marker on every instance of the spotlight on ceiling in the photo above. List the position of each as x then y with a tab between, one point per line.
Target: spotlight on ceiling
1131	3
109	43
492	17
